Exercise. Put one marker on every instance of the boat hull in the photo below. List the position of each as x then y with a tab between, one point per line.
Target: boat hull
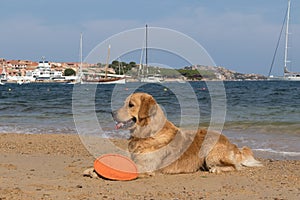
109	81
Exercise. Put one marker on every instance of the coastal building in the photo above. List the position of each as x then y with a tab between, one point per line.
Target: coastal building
21	71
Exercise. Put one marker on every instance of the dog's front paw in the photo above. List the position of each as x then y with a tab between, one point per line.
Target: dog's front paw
214	170
138	149
90	172
135	146
132	146
146	174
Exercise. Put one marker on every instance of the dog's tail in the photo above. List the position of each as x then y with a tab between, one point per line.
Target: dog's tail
248	159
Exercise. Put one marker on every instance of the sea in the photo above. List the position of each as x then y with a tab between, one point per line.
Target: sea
264	115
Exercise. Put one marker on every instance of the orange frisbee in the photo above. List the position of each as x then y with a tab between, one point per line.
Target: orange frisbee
116	167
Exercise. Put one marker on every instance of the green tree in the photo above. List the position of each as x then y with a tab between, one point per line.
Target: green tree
115	63
69	72
191	74
122	67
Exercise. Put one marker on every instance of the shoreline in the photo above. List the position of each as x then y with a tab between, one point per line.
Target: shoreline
50	166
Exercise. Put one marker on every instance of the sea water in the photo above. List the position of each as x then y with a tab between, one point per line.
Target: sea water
264	115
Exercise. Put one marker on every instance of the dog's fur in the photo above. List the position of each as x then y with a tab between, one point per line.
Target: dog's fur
158	146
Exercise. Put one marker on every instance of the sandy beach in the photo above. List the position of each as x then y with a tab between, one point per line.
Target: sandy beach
50	166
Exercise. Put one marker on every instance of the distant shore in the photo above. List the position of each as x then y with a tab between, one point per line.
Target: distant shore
50	166
169	80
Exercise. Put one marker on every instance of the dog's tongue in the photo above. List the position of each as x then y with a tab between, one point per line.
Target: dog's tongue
119	125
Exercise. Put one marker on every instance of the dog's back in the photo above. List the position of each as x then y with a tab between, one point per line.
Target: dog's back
226	156
212	151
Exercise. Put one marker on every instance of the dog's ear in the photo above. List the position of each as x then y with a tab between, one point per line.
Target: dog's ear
148	106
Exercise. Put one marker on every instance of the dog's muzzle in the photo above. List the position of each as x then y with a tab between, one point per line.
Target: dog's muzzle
123	124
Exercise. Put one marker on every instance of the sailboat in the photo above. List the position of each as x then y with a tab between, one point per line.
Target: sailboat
144	75
111	78
104	78
287	75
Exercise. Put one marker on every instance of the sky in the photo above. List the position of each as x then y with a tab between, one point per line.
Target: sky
240	35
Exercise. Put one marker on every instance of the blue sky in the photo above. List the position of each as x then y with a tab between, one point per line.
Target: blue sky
238	34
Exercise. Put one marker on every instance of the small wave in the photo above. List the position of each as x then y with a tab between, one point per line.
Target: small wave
285	153
37	130
264	127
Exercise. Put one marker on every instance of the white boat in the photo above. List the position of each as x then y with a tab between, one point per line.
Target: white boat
22	80
3	76
291	76
43	72
287	75
144	75
156	78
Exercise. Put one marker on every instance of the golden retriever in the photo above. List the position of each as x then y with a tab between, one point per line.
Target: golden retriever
156	145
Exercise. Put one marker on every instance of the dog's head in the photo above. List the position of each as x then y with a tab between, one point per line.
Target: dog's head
136	111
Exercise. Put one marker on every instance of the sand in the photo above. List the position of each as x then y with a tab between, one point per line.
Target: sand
44	166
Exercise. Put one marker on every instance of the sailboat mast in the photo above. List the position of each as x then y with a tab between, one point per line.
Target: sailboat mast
287	36
80	67
146	52
146	45
107	61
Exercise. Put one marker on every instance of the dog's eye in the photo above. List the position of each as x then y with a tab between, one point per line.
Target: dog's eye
130	105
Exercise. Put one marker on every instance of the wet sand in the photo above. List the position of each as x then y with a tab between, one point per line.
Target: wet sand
50	166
